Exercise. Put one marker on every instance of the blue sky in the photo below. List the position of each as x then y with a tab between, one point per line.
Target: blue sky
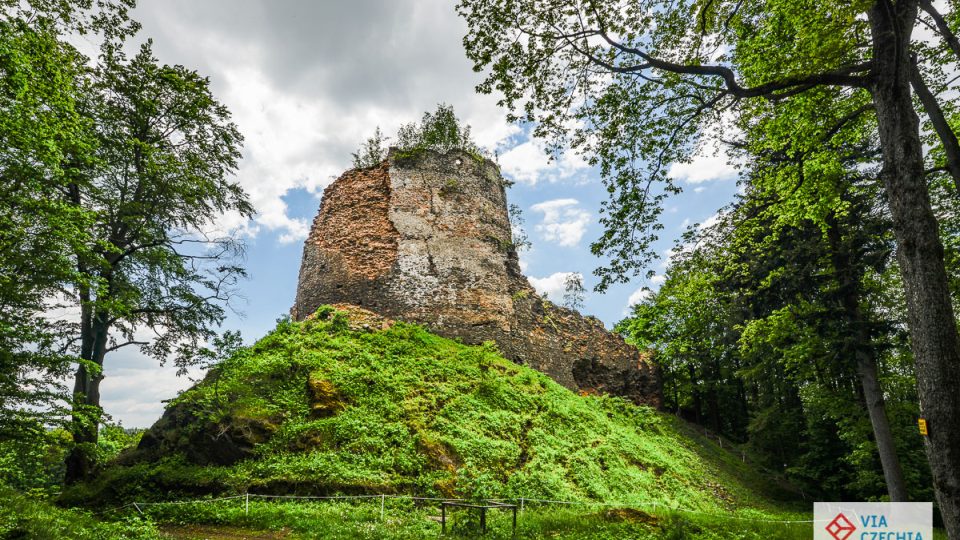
307	82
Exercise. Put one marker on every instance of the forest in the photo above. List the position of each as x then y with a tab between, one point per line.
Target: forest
805	336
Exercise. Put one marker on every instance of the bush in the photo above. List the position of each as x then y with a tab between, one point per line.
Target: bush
440	131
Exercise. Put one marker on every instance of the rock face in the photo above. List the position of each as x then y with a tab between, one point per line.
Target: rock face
425	238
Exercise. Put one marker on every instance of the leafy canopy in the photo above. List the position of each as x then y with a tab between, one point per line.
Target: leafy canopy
45	139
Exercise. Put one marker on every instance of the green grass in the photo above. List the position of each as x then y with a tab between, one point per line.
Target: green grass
22	517
404	520
336	407
405	411
31	518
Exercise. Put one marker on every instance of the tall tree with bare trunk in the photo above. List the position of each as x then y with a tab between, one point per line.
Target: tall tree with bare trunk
155	275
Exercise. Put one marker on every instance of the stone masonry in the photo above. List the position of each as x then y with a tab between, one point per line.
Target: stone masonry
425	238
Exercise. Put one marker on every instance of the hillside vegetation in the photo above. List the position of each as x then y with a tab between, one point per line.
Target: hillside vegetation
349	403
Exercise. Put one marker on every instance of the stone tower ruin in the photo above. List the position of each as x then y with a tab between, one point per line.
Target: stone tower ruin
425	238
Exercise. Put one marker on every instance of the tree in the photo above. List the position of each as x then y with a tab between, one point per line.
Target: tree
573	291
372	152
764	331
440	130
43	137
518	234
166	150
830	176
638	81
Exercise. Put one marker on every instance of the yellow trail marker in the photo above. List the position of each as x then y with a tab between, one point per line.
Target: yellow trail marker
922	424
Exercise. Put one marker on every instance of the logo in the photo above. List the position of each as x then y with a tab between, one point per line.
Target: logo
872	521
841	528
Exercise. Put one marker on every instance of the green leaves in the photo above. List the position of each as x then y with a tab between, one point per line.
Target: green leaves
405	411
43	137
113	176
440	131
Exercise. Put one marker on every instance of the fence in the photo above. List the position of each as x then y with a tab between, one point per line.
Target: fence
520	502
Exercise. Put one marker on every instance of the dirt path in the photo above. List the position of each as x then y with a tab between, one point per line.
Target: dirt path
220	532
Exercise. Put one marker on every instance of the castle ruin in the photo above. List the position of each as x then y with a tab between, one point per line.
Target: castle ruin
425	238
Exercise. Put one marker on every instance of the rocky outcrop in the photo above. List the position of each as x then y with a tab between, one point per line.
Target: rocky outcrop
425	238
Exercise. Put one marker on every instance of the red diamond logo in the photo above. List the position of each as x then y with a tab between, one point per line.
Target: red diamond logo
841	528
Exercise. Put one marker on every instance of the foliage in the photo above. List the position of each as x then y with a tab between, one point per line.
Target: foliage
114	439
167	152
573	291
113	173
440	131
404	411
33	463
372	152
634	87
754	342
155	261
405	520
40	130
26	517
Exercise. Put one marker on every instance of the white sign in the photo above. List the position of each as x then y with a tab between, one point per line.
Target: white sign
872	521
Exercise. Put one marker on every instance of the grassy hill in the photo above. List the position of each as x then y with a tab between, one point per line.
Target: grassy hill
348	403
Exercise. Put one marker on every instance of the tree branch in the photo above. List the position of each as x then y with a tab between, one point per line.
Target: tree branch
951	146
842	76
942	26
115	347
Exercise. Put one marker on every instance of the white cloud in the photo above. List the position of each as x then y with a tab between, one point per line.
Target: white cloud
529	163
524	264
703	168
710	161
563	223
710	221
638	296
135	387
643	293
301	103
552	286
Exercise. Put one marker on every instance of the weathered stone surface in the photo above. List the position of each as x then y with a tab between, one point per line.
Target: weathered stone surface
426	239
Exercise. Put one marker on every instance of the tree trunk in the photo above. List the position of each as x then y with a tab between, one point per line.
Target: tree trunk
848	278
930	318
715	396
86	397
892	472
694	392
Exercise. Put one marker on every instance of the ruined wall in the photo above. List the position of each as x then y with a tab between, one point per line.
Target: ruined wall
352	244
426	239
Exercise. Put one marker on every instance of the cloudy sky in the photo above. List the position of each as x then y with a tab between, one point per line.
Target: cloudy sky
307	82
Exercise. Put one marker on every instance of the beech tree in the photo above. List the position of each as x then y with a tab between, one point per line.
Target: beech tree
166	151
43	138
634	84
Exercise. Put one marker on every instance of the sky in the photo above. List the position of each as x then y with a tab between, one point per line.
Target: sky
306	83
